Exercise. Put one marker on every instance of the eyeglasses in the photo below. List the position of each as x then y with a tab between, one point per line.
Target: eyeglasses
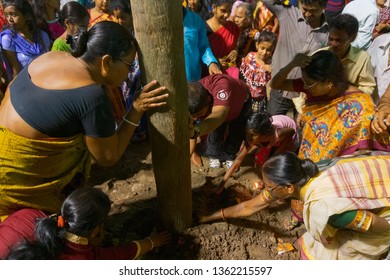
306	86
130	64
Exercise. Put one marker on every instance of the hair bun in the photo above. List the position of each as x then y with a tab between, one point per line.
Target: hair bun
309	167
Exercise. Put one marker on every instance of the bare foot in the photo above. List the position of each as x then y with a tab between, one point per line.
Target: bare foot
196	160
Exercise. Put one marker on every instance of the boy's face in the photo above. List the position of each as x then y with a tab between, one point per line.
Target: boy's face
124	19
339	42
204	112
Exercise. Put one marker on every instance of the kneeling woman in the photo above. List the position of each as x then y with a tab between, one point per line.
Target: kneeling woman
56	114
346	210
75	234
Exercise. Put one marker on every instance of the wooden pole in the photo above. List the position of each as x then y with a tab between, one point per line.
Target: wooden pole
158	29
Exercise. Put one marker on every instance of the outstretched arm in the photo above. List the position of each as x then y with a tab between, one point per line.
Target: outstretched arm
243	209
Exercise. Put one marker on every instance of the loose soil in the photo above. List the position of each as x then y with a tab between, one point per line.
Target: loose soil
131	187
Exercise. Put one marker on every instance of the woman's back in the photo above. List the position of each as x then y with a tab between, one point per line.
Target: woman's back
60	108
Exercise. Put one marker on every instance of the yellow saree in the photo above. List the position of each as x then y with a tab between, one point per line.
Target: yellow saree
339	127
361	183
39	173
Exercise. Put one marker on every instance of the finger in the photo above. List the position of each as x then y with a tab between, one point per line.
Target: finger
375	127
150	85
379	120
152	92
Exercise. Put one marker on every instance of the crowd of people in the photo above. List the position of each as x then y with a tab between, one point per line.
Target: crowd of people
303	85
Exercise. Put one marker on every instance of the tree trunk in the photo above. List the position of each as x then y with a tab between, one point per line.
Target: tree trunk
158	28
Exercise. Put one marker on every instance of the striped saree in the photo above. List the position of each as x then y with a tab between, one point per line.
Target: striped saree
351	184
39	173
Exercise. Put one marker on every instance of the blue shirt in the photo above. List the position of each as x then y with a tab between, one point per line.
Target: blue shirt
196	46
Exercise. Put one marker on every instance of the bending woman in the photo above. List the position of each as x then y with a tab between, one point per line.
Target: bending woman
346	210
56	114
336	118
74	234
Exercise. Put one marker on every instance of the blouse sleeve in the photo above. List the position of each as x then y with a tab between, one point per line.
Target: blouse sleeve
7	43
359	220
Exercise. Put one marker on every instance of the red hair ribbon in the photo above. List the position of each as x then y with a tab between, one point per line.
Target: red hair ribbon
60	222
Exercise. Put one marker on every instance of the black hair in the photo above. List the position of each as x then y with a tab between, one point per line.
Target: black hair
267	36
218	3
25	8
259	123
38	7
347	23
197	97
105	37
322	3
287	169
83	210
326	66
74	12
123	5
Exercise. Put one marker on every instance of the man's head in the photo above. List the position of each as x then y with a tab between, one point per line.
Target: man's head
243	16
342	32
312	11
200	101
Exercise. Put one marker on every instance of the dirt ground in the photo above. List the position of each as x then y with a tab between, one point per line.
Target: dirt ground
132	190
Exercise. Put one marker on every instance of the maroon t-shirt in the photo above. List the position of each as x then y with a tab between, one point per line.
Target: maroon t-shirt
227	91
18	226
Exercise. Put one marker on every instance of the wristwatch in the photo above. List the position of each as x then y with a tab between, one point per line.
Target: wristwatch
196	131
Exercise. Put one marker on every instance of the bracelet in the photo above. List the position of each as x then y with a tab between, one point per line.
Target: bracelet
223	214
381	106
130	122
266	196
151	241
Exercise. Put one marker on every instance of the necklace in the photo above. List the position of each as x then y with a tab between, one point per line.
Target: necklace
75	238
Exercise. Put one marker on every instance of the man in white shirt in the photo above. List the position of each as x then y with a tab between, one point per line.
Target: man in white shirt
380	59
367	13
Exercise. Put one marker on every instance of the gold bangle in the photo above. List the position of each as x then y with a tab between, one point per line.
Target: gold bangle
223	214
151	241
266	196
130	122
